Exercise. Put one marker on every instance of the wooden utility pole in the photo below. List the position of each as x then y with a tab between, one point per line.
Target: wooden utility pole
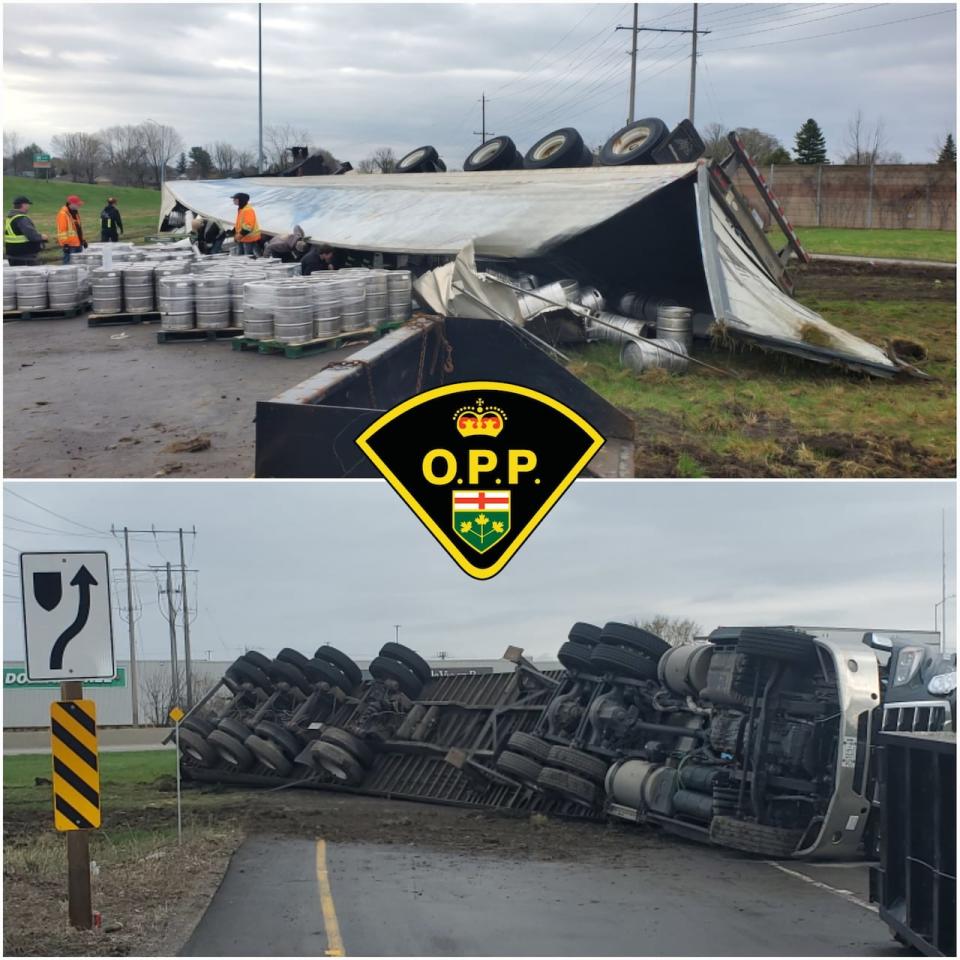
693	66
633	65
186	624
134	683
482	132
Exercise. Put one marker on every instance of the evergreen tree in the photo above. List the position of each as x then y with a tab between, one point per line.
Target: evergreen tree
182	164
811	147
948	153
200	162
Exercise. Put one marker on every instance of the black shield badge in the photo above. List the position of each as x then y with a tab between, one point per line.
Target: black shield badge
481	464
48	589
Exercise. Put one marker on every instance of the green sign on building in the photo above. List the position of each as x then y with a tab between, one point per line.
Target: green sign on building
15	675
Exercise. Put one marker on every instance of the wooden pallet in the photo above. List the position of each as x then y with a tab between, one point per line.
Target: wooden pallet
45	314
179	336
308	347
113	319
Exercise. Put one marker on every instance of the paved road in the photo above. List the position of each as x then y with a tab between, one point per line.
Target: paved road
287	897
118	740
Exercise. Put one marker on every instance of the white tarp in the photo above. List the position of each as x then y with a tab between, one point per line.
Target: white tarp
509	213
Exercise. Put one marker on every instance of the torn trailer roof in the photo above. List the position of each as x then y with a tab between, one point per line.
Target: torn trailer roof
658	229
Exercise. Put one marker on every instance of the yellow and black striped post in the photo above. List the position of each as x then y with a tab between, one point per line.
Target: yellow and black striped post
76	773
76	791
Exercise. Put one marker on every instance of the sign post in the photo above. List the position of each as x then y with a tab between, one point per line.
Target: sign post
68	634
176	715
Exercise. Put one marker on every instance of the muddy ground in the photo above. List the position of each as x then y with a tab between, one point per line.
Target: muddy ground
151	901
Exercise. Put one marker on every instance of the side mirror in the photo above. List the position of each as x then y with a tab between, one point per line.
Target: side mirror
878	641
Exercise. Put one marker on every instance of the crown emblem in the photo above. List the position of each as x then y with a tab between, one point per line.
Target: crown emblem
479	420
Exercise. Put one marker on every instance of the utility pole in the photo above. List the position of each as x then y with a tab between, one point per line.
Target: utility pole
260	85
943	581
633	65
186	622
134	685
482	132
396	628
172	618
693	66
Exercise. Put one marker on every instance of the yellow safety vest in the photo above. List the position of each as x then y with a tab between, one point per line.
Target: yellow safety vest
9	237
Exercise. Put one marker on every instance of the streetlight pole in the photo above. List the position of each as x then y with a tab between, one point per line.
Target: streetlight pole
260	85
396	628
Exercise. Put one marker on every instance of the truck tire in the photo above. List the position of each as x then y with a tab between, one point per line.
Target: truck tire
568	785
634	638
197	749
439	166
231	750
198	725
576	761
754	837
785	645
498	153
634	143
258	660
269	754
283	672
321	671
529	746
236	728
242	671
409	658
420	160
359	749
559	148
285	741
383	668
518	766
605	658
575	657
332	655
586	633
296	659
337	762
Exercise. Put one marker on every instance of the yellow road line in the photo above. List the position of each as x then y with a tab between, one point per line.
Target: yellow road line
330	925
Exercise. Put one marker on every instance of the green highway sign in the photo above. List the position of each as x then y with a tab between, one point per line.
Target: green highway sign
15	675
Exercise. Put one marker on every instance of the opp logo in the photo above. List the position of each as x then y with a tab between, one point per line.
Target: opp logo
480	464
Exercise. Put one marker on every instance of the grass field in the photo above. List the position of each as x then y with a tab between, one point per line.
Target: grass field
139	208
895	244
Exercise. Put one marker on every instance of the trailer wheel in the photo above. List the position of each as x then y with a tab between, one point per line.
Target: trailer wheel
519	766
231	750
575	656
439	166
754	837
284	739
409	658
243	671
258	660
236	728
622	663
498	153
635	638
358	748
296	659
197	748
576	761
382	668
350	670
337	762
285	673
529	746
325	672
586	633
198	725
785	645
561	148
420	160
568	785
634	143
269	755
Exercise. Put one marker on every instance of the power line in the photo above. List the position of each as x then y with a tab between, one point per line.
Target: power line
785	26
59	516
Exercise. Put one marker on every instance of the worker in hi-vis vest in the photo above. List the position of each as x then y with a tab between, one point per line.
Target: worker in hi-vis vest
69	229
111	225
246	230
21	239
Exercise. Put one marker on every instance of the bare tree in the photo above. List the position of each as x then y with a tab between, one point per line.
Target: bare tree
125	154
160	145
11	147
224	157
157	696
715	141
277	141
81	153
382	160
245	161
864	143
675	630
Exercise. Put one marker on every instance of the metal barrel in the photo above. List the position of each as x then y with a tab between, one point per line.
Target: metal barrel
257	316
63	287
591	298
32	289
138	288
106	289
175	300
675	323
640	355
614	328
10	286
212	301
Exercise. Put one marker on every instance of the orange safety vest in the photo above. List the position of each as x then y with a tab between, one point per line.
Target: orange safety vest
66	229
246	229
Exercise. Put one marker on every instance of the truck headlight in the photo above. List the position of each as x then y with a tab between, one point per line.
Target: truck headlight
908	663
943	684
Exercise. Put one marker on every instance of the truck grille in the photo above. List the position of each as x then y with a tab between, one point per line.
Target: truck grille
929	717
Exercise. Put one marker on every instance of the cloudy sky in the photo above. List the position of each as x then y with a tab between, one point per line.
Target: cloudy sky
300	564
359	76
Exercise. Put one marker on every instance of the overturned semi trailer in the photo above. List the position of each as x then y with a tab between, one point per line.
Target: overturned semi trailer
677	232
